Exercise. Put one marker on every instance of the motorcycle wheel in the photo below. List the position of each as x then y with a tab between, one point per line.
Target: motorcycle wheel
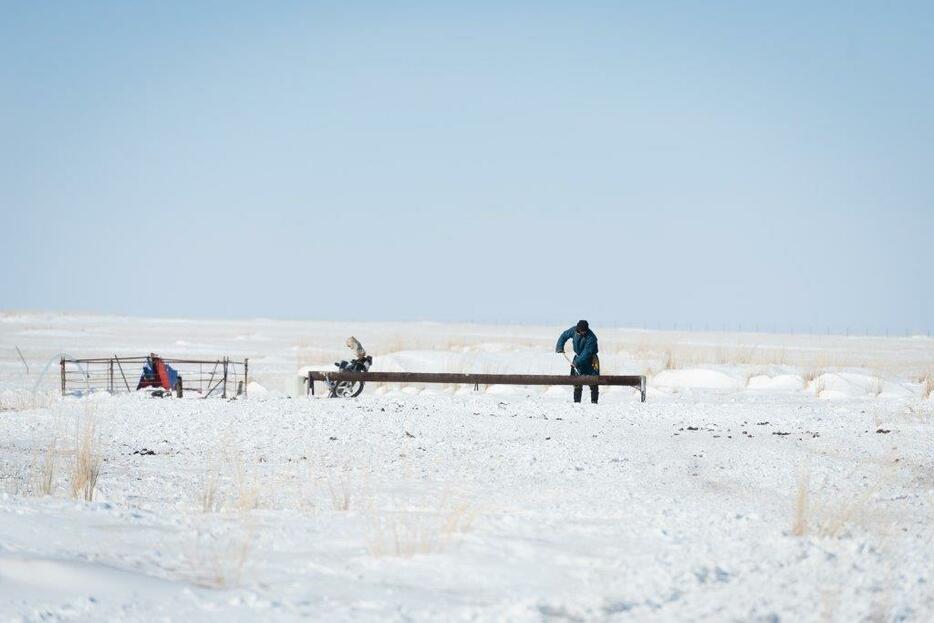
347	389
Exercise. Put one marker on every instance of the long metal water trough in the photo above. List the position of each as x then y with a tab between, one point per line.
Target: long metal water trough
477	379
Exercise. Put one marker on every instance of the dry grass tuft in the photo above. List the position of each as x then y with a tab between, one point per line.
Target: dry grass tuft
799	525
405	534
87	463
835	519
828	514
927	385
219	560
210	499
229	483
341	491
247	496
743	356
777	357
44	473
809	375
246	483
814	380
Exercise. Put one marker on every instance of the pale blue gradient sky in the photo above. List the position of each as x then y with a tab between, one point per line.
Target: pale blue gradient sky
704	163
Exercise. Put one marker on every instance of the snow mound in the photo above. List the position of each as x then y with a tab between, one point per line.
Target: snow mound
255	389
781	382
833	385
696	379
44	579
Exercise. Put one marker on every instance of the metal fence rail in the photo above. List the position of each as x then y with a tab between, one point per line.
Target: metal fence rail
208	377
477	379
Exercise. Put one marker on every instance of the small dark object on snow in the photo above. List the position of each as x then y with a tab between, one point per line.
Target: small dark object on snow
333	438
692	428
762	423
145	452
883	431
409	435
780	434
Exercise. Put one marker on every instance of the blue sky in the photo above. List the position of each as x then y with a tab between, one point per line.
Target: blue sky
698	163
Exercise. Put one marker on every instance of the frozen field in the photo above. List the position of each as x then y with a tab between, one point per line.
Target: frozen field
767	478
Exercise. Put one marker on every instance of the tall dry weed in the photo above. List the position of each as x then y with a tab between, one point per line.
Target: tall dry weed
927	385
44	471
210	498
86	467
341	491
246	483
819	384
799	526
407	533
828	514
218	560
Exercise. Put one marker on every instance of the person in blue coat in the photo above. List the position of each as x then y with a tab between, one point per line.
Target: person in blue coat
585	360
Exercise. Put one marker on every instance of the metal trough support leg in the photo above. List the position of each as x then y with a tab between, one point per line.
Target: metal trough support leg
642	387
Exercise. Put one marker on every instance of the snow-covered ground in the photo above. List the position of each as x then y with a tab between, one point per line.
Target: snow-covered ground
767	477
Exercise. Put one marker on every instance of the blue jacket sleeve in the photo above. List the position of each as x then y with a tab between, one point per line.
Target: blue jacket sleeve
562	340
588	351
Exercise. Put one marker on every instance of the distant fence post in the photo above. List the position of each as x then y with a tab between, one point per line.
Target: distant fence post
122	373
23	359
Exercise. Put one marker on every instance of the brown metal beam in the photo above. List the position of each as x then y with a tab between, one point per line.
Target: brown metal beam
479	379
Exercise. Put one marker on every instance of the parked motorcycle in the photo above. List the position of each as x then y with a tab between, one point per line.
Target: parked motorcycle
361	363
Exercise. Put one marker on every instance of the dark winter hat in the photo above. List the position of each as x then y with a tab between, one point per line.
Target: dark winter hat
582	326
